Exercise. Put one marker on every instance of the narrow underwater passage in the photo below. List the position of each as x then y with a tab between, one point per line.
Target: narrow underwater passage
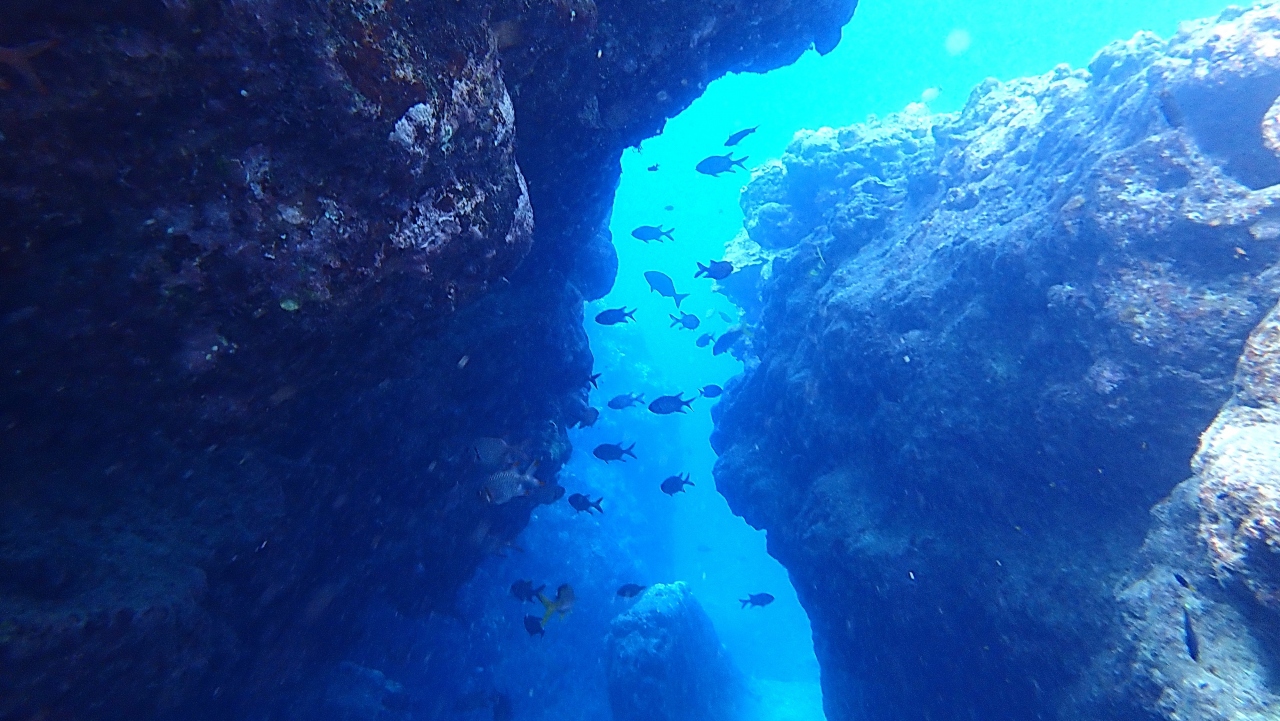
719	557
668	218
304	414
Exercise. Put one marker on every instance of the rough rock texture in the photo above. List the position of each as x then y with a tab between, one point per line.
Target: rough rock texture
665	663
270	270
1216	531
989	343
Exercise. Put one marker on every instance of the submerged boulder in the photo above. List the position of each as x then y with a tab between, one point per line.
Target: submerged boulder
989	349
665	663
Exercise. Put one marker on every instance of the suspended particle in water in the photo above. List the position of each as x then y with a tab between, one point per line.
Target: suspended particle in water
958	41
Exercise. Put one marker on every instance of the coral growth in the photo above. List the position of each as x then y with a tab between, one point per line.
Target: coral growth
988	343
665	662
270	274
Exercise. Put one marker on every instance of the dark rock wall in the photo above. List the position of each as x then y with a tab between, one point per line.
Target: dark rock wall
268	270
989	343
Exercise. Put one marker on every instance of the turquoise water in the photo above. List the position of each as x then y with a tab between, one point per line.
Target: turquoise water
893	53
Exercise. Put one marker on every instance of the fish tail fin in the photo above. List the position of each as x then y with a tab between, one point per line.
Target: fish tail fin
674	320
669	235
596	505
702	270
679	297
540	589
640	398
739	162
744	601
629	313
549	607
628	450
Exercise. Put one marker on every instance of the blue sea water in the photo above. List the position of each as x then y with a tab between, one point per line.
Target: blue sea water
893	53
319	582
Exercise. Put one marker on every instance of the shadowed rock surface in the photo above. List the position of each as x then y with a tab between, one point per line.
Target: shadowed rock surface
270	276
1209	562
988	344
665	662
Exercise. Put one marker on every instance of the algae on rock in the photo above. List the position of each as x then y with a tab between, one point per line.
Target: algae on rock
665	662
989	343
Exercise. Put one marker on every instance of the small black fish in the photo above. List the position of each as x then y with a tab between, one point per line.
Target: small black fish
711	391
716	270
502	707
525	591
1189	634
1182	581
582	503
676	484
589	417
592	380
717	164
614	316
626	400
666	405
685	320
533	625
669	208
725	317
613	452
652	232
546	494
653	168
704	340
738	136
631	590
726	342
756	599
661	284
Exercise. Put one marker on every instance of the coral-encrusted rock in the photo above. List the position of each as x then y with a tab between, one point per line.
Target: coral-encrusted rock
1200	606
306	150
1239	470
590	77
989	344
665	662
267	284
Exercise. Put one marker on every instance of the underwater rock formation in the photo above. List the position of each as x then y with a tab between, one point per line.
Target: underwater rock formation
665	662
1198	628
271	276
988	345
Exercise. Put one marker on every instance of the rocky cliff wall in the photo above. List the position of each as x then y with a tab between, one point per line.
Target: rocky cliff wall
271	271
988	344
